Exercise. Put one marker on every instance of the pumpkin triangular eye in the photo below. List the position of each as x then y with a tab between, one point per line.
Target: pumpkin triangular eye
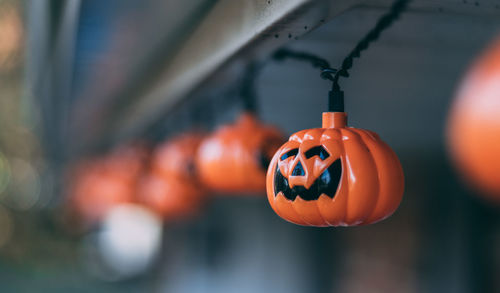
317	151
290	153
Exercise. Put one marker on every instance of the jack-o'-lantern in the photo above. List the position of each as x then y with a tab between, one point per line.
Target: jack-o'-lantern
235	158
334	176
474	125
98	184
172	188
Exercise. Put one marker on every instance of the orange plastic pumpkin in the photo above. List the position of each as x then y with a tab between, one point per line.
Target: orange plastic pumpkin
474	125
235	158
172	188
334	176
98	184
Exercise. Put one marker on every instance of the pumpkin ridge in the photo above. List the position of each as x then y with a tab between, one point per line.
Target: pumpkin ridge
400	170
298	136
388	209
298	213
361	141
361	133
275	205
348	189
367	133
346	176
297	219
319	210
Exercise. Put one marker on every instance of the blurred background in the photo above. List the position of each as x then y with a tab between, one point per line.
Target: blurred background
90	91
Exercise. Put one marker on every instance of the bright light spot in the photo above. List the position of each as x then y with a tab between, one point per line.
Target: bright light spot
130	239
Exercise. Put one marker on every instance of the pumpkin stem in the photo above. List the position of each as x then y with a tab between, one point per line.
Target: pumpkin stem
334	119
336	100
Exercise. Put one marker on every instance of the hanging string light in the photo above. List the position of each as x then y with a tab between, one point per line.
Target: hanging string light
474	125
336	175
234	159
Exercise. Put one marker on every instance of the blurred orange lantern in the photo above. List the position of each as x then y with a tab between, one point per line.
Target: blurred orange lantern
474	124
235	158
98	184
335	176
172	188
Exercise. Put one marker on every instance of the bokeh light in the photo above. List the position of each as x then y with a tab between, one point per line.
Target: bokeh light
10	34
129	239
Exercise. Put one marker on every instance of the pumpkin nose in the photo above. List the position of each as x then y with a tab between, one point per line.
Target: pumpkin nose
298	170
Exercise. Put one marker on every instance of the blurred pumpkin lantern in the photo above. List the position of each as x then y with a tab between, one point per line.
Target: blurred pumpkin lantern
235	158
98	184
334	176
172	188
474	125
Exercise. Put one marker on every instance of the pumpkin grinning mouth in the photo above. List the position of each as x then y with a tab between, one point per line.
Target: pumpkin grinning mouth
327	183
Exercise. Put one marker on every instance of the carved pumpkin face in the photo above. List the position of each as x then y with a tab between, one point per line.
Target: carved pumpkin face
474	125
235	158
172	188
334	176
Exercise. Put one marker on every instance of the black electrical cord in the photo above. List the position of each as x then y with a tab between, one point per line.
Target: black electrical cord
336	95
316	61
336	98
384	22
